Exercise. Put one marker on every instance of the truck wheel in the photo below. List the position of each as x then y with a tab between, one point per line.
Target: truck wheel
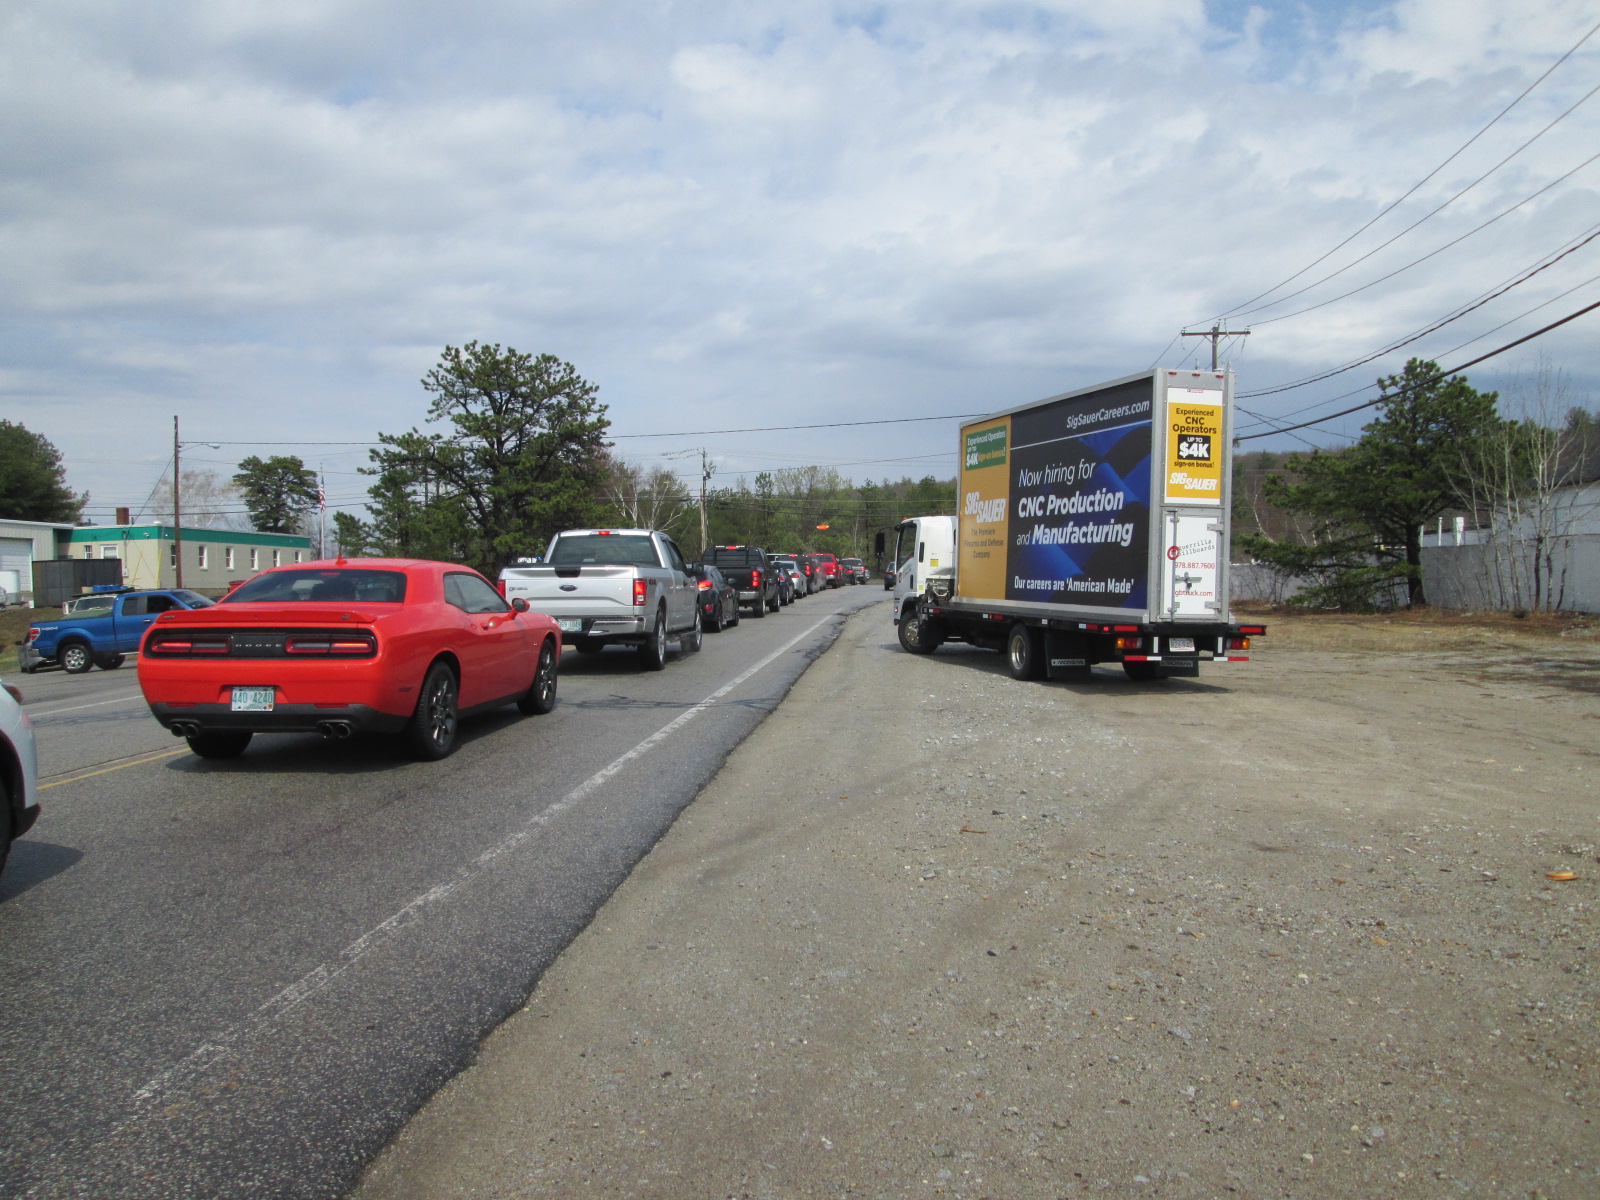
919	634
588	646
75	658
760	609
112	663
224	744
1024	653
1143	672
775	603
690	643
431	733
653	654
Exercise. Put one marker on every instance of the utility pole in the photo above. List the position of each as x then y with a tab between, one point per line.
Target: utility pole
707	470
1216	333
177	507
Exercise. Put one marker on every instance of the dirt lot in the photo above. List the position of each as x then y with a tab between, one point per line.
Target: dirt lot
1285	930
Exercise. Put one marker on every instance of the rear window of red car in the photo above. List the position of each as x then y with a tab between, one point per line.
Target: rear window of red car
331	585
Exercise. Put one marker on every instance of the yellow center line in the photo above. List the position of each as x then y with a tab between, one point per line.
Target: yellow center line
149	758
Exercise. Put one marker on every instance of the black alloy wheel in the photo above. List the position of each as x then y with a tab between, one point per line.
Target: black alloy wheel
541	694
431	733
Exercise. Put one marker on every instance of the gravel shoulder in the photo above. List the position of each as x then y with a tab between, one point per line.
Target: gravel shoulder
1285	930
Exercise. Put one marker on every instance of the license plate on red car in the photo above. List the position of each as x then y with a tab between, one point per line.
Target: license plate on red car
253	699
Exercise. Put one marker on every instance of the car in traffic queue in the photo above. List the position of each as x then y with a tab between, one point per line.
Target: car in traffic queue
346	646
719	599
787	564
808	569
828	568
786	592
855	571
751	572
19	771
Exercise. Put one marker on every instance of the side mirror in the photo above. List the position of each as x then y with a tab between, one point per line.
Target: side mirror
519	605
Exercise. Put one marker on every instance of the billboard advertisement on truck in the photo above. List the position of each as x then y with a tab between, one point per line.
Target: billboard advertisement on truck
1058	499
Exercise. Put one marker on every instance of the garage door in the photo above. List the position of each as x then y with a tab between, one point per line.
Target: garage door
16	566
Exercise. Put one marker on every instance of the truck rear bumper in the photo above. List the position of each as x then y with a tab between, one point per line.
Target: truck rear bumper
29	659
602	627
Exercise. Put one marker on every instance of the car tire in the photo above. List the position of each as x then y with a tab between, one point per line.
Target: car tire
588	646
431	733
715	625
541	694
919	634
1024	652
734	620
775	604
226	743
112	663
75	658
690	643
759	609
653	654
5	823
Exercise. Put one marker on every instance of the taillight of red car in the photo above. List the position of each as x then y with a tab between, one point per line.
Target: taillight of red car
339	646
187	645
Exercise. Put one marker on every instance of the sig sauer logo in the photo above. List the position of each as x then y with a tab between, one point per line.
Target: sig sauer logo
1194	447
985	447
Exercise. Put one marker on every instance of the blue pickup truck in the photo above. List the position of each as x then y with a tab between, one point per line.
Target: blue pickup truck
99	630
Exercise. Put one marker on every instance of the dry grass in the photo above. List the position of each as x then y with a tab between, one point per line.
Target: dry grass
1420	629
14	624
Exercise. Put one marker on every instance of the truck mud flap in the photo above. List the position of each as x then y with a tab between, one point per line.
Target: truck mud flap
1066	657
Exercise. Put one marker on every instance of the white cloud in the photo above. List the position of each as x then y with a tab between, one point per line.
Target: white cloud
273	215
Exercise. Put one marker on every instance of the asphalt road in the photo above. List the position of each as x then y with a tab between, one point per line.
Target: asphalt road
239	978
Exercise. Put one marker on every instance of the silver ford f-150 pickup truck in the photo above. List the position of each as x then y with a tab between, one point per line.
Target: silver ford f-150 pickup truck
606	587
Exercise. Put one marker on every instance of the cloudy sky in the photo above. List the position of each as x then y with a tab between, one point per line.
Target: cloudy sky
268	217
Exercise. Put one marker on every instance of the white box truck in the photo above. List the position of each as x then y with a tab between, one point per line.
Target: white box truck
1092	527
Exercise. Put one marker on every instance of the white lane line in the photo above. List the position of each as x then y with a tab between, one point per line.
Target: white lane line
308	985
50	712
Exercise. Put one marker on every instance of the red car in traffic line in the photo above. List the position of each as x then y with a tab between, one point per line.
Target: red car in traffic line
828	565
384	645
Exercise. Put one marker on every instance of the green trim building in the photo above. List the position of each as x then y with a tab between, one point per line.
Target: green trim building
212	558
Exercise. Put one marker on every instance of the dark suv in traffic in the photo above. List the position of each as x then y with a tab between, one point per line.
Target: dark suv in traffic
749	570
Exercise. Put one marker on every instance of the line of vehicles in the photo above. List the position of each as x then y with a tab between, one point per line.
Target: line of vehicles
402	647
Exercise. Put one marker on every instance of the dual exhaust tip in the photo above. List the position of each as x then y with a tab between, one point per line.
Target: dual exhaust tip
332	730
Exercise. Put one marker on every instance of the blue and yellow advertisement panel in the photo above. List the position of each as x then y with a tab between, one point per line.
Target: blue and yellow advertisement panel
1064	516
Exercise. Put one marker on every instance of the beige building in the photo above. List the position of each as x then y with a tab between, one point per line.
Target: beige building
212	558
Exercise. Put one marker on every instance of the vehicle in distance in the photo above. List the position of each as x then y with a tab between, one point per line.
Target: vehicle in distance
19	772
828	568
719	600
787	564
379	645
853	569
613	587
750	571
808	568
101	629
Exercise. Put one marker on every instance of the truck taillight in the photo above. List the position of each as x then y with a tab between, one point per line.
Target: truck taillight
1130	643
755	577
639	588
1238	643
500	586
33	635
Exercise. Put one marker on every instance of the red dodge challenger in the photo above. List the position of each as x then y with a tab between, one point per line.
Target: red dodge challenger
391	645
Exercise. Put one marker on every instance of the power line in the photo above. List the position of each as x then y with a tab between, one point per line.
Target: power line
1441	375
1414	187
1493	294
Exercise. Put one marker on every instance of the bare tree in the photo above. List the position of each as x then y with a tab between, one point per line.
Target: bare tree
648	499
1526	496
209	502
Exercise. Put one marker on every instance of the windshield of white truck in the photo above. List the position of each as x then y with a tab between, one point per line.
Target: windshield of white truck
605	549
